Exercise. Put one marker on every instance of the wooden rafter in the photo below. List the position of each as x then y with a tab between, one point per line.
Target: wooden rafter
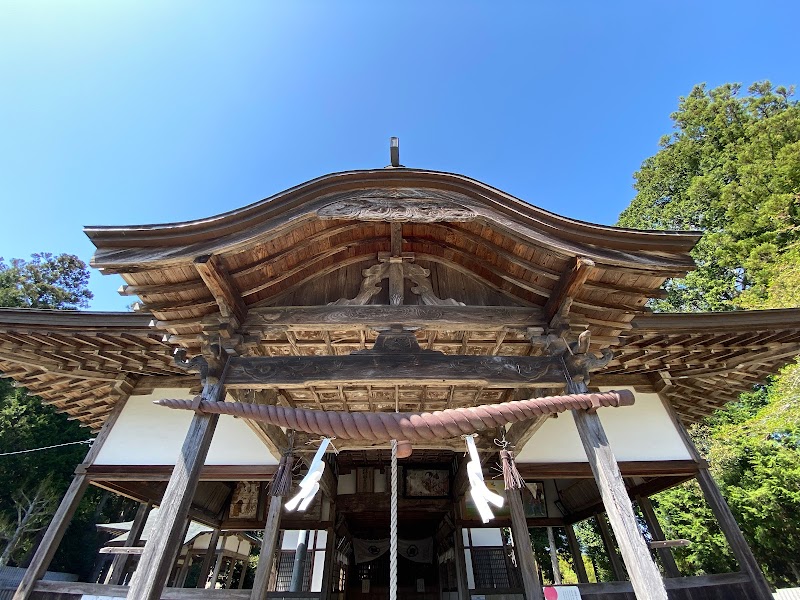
570	282
215	276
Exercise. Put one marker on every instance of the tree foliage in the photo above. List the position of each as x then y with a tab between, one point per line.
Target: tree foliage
730	169
45	281
53	282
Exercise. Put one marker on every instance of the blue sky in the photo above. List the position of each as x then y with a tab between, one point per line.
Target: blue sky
144	112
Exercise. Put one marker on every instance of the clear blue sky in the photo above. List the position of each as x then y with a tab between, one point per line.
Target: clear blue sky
123	112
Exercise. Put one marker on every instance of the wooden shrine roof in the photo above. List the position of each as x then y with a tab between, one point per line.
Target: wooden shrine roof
309	245
703	360
283	277
83	362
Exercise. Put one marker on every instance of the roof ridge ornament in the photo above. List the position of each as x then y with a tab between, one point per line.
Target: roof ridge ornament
394	153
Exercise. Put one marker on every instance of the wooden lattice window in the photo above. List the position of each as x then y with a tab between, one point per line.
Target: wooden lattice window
283	579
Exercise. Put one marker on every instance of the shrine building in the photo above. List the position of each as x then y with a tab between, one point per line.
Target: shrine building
398	337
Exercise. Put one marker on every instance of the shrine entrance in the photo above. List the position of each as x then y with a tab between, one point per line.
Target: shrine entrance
417	565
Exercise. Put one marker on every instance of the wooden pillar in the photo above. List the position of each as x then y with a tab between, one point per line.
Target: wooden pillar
180	580
551	541
722	512
218	564
271	530
229	575
611	549
330	558
69	504
577	557
245	564
523	549
164	543
727	523
664	554
122	561
205	568
461	564
644	575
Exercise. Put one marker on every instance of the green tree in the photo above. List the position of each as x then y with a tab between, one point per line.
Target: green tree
732	170
753	449
45	281
52	282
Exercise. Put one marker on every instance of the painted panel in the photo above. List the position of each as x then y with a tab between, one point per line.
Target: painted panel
643	431
146	434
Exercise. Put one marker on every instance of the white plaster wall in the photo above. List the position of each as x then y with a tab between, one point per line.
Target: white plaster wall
643	431
147	434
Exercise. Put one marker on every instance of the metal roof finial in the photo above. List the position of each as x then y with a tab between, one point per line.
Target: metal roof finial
394	152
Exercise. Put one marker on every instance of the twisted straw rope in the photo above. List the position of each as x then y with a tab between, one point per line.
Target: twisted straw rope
414	427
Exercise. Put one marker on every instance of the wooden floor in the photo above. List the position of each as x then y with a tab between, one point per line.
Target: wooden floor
729	586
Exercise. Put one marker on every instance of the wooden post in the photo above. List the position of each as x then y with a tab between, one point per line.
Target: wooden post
645	577
664	554
577	557
271	530
730	529
166	539
551	541
722	512
330	551
245	564
461	563
180	580
523	549
66	510
205	568
122	561
229	574
218	565
611	549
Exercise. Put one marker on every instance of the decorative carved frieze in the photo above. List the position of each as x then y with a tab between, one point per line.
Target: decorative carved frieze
506	371
482	318
400	205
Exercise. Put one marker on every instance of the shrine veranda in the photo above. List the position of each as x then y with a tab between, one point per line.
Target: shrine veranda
389	291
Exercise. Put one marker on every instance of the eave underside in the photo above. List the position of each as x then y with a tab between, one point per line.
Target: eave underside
84	366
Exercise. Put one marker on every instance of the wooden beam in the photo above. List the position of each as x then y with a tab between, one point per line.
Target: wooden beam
523	549
644	575
301	371
162	547
121	552
570	282
219	283
441	318
631	468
